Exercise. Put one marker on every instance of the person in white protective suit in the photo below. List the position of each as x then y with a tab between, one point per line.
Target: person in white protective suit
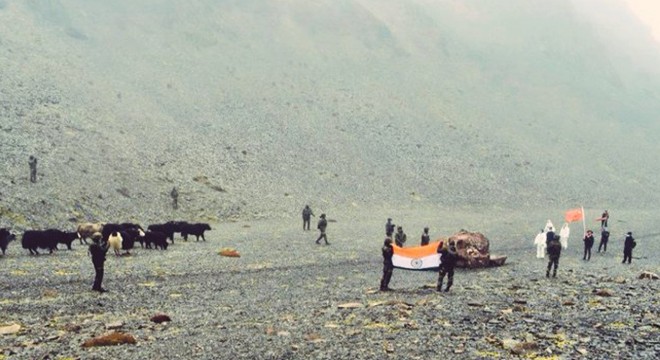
549	226
564	233
539	241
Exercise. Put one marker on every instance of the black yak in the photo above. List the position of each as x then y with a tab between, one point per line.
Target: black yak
35	239
195	229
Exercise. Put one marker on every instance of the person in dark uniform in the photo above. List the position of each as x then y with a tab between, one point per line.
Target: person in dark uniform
628	246
307	217
389	227
426	238
33	168
554	252
549	236
588	244
323	223
448	258
388	266
400	237
97	250
175	198
604	238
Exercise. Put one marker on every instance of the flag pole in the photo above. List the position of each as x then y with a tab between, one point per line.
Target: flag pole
584	221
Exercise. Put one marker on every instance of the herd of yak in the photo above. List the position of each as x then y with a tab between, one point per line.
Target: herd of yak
119	236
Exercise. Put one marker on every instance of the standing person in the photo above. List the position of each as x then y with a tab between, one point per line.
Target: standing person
323	223
426	238
448	258
549	234
388	266
604	238
97	250
588	244
32	161
175	198
307	217
540	242
400	237
604	219
564	233
628	246
389	227
554	252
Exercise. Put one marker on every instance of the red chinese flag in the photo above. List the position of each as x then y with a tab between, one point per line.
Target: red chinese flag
574	215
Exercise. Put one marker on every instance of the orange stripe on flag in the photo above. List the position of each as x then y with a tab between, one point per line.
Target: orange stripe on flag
573	215
417	251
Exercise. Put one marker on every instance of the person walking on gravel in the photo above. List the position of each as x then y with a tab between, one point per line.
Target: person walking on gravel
388	266
604	238
97	250
448	258
307	217
322	225
588	244
554	252
32	161
540	243
175	198
628	246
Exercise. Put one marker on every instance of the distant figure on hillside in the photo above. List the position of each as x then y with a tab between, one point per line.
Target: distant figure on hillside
426	238
554	252
32	161
604	238
322	225
564	233
388	266
448	259
97	250
628	246
400	237
307	217
540	242
175	198
604	218
389	227
588	244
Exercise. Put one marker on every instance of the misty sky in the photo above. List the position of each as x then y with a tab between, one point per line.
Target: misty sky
648	11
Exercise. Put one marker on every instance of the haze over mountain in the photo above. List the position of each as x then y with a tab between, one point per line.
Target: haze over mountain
254	108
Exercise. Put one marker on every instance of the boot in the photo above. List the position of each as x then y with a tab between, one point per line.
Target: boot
547	273
554	273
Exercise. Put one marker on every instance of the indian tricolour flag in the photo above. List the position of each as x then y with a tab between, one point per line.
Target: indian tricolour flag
417	258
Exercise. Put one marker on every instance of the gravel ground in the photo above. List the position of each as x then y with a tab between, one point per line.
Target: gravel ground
283	297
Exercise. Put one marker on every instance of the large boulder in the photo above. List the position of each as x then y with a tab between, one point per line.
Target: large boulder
473	250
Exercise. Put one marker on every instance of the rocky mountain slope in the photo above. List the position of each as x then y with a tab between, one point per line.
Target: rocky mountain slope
254	108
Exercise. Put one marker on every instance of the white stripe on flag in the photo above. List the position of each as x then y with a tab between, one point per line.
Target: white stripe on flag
427	262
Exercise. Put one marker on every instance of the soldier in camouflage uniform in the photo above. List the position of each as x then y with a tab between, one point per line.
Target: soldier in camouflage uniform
323	223
448	258
307	217
389	227
400	237
426	238
388	266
